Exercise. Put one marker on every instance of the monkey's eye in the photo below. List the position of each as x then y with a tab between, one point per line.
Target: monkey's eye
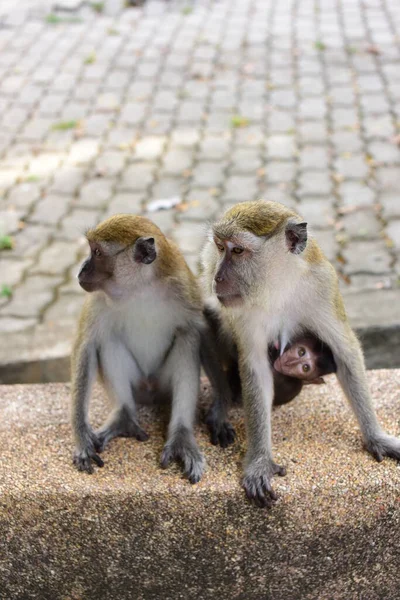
306	368
97	252
220	247
302	352
237	250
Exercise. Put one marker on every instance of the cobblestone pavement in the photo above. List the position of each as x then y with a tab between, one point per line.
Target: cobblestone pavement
203	104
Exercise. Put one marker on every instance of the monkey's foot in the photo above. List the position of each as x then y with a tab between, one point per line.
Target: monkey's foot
257	483
183	448
221	432
384	445
86	453
121	425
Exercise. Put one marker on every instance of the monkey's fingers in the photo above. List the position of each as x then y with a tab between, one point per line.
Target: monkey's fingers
259	491
83	461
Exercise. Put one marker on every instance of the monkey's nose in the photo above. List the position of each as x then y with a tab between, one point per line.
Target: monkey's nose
219	279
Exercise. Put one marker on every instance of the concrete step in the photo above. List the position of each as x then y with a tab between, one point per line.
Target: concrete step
133	531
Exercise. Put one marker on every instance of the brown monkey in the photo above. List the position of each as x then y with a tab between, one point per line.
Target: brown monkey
143	319
271	282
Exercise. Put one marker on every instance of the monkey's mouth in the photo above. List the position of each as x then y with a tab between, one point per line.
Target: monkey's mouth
230	299
89	286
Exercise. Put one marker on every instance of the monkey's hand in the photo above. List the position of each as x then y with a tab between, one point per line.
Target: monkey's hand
86	452
222	434
257	482
183	448
384	445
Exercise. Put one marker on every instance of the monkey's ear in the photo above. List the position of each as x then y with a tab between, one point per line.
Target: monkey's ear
296	237
145	250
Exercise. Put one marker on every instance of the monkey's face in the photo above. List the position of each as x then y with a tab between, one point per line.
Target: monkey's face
235	267
299	361
115	269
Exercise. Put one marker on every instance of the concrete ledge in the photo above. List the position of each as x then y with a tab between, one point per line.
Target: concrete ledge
134	531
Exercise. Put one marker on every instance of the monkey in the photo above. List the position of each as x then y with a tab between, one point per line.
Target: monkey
303	361
271	280
142	321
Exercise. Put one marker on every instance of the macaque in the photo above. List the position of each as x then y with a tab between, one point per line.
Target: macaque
268	280
304	361
142	322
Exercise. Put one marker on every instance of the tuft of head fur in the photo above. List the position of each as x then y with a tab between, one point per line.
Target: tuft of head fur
123	229
260	217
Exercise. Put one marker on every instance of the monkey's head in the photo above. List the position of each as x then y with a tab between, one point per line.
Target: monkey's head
253	244
121	249
307	359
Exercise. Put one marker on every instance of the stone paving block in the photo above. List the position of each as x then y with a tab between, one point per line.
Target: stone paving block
241	188
347	141
280	122
95	193
393	231
313	132
16	325
164	219
390	202
30	240
50	209
379	127
23	195
66	307
356	193
353	166
10	221
388	178
200	205
36	129
12	271
315	183
175	162
83	151
281	147
319	213
55	258
367	257
327	241
76	223
384	152
344	118
137	177
125	203
280	171
67	180
363	223
214	147
168	187
245	161
109	163
39	290
314	157
208	174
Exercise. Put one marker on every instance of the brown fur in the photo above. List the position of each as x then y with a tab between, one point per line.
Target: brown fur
170	263
262	218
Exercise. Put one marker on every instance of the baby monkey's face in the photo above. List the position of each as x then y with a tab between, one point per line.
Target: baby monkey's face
299	361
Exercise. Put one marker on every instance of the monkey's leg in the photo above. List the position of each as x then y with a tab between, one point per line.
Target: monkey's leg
352	377
221	430
182	372
120	373
84	370
257	383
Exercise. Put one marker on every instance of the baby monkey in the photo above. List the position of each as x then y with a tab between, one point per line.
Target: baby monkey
142	321
305	361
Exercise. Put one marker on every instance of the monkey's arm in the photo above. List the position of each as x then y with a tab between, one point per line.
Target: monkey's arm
257	385
84	370
352	377
182	370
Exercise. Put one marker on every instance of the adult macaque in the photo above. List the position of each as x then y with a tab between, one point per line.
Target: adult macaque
143	319
272	282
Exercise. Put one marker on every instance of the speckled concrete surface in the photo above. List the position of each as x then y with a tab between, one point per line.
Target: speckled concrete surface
133	531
